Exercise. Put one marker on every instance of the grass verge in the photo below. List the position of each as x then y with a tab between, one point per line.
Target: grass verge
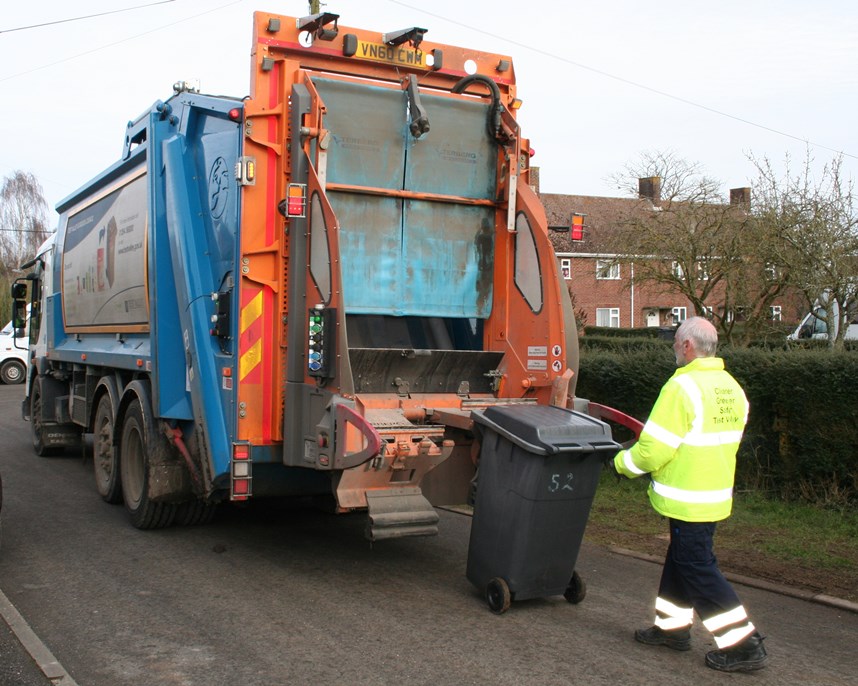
796	544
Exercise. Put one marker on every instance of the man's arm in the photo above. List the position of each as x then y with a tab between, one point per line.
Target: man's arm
662	434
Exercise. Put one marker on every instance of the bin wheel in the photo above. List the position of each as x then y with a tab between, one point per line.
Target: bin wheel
576	590
498	595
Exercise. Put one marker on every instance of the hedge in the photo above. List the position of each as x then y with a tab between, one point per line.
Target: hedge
802	435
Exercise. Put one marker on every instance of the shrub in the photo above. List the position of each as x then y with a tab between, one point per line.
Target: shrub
802	435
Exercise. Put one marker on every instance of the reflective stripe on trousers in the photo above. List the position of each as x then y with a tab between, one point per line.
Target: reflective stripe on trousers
691	581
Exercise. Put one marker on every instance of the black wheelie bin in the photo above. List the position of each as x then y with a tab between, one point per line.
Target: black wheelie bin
537	475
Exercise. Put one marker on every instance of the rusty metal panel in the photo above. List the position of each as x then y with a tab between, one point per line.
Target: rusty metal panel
370	252
456	156
411	257
439	264
448	253
368	129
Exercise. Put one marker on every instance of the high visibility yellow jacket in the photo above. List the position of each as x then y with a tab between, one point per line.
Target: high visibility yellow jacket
688	445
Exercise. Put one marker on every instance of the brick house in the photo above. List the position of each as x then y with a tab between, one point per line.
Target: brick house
603	287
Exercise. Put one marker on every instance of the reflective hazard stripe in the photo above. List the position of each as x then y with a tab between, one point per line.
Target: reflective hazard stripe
734	636
670	617
692	390
670	609
733	616
251	312
661	434
729	628
249	360
250	336
697	497
713	439
629	463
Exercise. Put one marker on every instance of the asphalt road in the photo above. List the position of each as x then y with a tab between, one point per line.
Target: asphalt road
271	594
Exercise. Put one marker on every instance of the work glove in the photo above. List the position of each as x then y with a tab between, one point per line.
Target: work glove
612	468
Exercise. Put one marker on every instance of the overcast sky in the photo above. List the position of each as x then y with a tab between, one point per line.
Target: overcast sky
602	82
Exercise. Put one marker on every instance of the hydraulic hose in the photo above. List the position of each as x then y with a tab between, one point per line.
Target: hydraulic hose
494	120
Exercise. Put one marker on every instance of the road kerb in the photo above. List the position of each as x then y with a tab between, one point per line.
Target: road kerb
43	657
761	584
810	596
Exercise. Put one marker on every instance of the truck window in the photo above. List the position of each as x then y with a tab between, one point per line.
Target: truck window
528	277
320	254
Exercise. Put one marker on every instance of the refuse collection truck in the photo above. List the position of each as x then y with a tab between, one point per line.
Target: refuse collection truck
305	291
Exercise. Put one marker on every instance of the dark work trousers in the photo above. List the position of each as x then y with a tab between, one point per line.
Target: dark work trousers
691	577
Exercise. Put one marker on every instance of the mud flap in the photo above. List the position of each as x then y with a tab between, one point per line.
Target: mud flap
168	482
399	512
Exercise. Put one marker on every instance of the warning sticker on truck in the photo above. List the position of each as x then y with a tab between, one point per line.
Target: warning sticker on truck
391	54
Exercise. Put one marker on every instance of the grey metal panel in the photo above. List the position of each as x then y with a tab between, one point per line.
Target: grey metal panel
368	129
456	157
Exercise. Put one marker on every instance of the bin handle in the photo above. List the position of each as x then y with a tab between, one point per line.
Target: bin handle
543	450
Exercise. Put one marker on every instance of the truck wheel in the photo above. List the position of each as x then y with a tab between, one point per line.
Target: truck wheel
498	596
194	512
105	457
13	371
36	426
134	448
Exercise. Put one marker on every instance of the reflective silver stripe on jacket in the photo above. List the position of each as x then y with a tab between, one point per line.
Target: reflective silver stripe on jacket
696	497
630	464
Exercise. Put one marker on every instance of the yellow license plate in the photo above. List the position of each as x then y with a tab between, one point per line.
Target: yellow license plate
391	54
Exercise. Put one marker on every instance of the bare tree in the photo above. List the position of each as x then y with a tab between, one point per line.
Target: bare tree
814	225
23	226
23	218
691	241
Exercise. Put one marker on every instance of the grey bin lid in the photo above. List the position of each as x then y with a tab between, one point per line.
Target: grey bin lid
545	429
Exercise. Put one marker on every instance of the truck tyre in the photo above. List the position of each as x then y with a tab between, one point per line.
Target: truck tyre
36	426
13	371
194	512
138	441
105	456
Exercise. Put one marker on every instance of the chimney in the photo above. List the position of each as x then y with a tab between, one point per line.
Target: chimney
649	188
740	197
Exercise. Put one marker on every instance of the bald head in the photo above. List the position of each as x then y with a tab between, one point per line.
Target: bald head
695	337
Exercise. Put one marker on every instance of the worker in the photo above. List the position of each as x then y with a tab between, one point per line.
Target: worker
688	447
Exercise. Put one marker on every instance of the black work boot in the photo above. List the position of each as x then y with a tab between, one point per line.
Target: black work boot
678	639
746	656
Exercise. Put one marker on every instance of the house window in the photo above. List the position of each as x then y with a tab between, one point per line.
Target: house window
566	267
608	316
736	315
678	272
708	312
776	313
607	269
703	271
771	272
680	314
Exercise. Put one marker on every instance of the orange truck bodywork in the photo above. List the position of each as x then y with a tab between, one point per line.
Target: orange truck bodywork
425	429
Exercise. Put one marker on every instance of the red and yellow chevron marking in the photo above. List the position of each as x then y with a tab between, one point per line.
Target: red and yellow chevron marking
250	336
255	362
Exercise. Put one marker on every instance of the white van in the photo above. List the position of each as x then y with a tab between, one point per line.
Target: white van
814	326
14	355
